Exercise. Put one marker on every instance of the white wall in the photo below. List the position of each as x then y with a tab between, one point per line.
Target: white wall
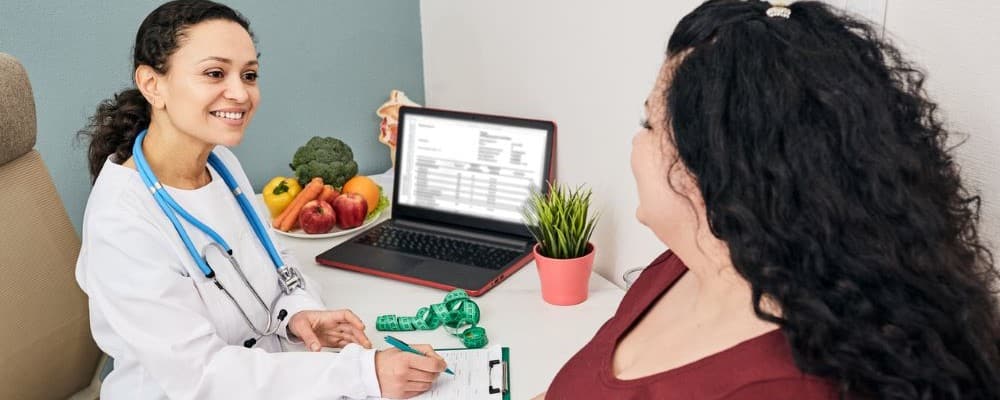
588	65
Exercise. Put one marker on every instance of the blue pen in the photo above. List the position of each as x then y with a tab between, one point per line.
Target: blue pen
399	344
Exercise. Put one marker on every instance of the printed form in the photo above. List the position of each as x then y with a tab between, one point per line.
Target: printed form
473	377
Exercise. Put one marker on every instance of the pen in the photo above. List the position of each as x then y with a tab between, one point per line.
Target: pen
399	344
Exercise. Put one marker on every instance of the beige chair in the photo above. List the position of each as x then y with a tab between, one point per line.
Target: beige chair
46	350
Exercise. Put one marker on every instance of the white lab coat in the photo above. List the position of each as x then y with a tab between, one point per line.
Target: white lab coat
171	332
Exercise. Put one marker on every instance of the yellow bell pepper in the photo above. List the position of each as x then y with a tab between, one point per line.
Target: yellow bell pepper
279	192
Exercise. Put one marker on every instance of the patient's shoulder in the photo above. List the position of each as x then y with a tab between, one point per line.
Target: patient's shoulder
656	278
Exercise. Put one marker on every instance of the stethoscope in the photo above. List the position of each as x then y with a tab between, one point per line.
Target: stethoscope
288	277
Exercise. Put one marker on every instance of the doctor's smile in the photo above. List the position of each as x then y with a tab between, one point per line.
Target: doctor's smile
231	117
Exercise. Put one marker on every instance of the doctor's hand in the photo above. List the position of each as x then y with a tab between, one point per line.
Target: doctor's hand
402	375
319	329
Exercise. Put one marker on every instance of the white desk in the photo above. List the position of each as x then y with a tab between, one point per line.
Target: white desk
541	336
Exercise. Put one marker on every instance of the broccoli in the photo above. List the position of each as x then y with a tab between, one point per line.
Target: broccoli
325	157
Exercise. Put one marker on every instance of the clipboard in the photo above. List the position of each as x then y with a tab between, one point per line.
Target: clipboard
479	374
504	364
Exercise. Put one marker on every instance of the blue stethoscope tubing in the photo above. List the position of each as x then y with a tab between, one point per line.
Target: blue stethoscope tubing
289	279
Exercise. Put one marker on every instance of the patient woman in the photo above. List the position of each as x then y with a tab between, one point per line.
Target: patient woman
822	242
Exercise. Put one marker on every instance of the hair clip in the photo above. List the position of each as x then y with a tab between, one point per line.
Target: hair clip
779	9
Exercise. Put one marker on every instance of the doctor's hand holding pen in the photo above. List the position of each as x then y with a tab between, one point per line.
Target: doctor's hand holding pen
400	374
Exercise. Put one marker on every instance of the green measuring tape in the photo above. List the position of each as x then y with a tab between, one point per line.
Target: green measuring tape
457	313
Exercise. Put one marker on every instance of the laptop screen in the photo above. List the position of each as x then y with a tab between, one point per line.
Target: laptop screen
469	165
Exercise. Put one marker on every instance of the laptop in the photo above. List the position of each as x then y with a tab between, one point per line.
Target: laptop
461	181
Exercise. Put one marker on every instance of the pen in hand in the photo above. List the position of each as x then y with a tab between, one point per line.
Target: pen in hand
399	344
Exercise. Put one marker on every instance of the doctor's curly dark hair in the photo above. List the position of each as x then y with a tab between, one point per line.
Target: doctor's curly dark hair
825	168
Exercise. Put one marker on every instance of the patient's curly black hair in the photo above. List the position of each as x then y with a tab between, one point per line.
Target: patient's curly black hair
825	169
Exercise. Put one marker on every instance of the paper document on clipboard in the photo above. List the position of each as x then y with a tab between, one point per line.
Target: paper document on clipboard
479	374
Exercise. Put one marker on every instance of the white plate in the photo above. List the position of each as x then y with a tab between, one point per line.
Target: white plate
298	233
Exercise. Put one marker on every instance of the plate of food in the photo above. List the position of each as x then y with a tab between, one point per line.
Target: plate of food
334	230
320	211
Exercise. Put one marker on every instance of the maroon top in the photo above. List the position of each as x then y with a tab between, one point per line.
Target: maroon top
758	368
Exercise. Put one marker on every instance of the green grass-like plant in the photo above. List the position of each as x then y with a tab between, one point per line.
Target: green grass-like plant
560	221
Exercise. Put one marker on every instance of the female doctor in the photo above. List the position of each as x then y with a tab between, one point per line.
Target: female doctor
187	292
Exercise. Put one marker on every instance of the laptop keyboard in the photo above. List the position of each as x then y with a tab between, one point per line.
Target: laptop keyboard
437	247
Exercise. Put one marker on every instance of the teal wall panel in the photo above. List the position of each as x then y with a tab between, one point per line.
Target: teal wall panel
325	67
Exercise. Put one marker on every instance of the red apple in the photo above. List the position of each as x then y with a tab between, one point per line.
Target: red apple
351	210
317	217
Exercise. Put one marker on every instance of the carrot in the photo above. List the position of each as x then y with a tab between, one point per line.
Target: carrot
329	193
287	219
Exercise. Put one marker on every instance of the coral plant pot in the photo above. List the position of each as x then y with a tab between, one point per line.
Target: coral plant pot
565	282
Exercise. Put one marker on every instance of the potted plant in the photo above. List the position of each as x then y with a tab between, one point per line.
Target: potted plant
562	224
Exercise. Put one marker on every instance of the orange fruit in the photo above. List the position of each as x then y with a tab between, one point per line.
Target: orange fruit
364	186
